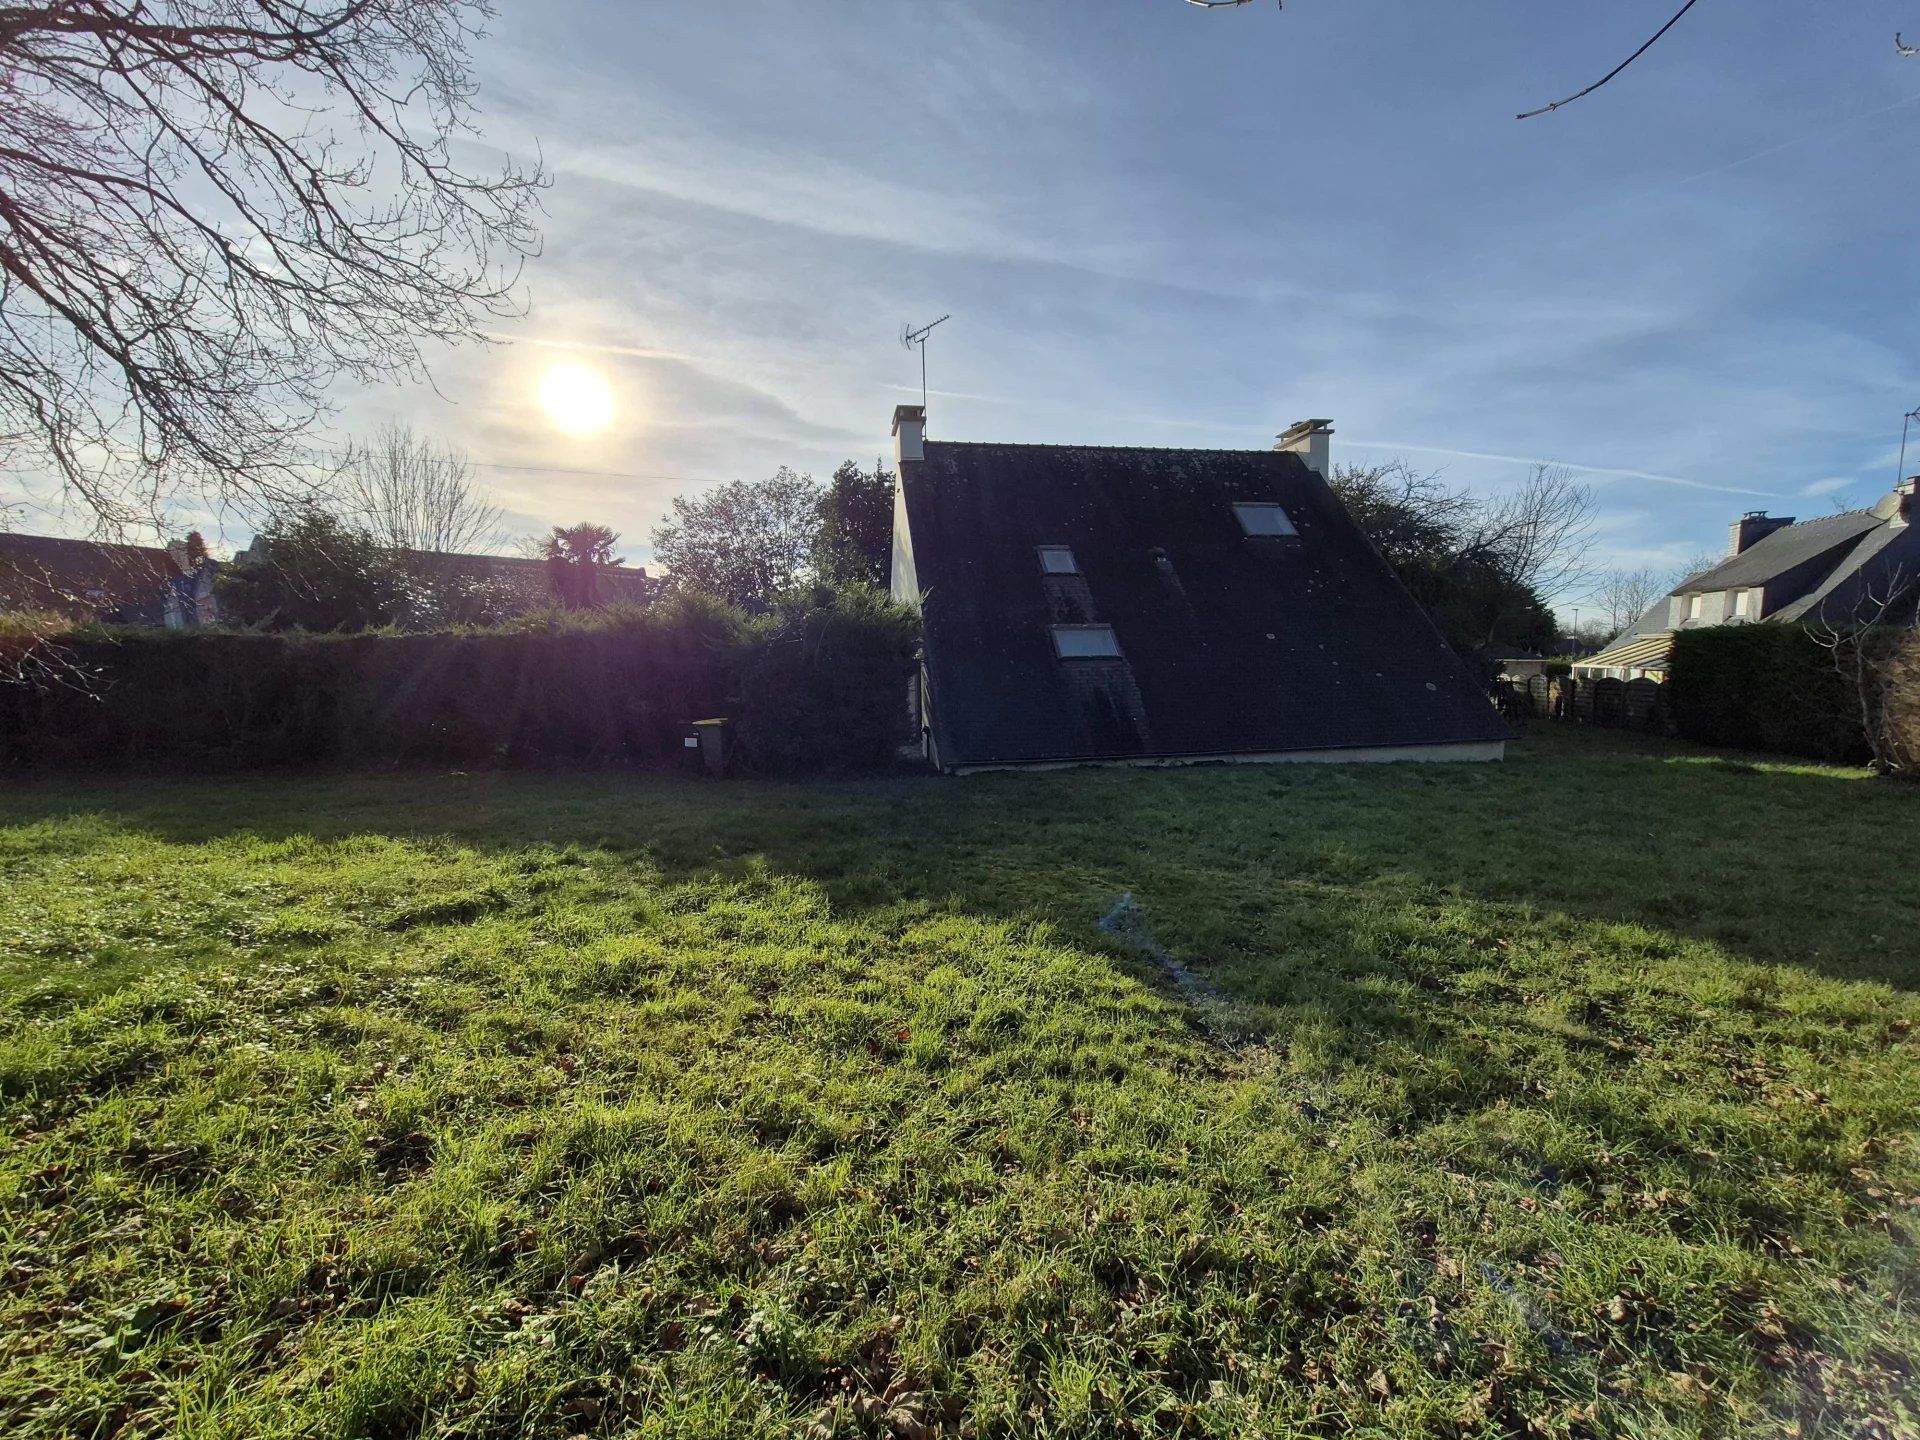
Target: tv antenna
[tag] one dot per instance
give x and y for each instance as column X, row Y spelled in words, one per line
column 1906, row 422
column 911, row 338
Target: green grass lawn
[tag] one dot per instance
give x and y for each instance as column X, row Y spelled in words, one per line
column 1571, row 1097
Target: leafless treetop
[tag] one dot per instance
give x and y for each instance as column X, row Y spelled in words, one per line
column 414, row 496
column 1541, row 532
column 1626, row 595
column 210, row 210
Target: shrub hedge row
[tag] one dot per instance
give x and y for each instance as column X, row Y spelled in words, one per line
column 1764, row 687
column 822, row 687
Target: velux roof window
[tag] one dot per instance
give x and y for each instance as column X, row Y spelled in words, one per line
column 1260, row 517
column 1085, row 642
column 1057, row 560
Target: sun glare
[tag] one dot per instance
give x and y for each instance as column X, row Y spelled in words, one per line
column 576, row 398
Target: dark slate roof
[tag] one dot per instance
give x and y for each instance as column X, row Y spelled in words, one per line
column 1652, row 621
column 82, row 579
column 623, row 584
column 1873, row 571
column 1230, row 644
column 525, row 576
column 1785, row 549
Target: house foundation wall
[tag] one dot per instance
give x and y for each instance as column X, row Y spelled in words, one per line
column 1472, row 752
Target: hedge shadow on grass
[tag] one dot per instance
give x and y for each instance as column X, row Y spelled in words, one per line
column 1776, row 863
column 1456, row 974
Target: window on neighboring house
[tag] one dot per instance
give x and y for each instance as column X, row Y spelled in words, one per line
column 1258, row 517
column 1741, row 600
column 1085, row 642
column 1693, row 606
column 1057, row 560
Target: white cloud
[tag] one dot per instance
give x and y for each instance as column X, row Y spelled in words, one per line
column 1829, row 485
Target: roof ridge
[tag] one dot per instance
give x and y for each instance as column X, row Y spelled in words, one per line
column 1152, row 449
column 157, row 549
column 1815, row 519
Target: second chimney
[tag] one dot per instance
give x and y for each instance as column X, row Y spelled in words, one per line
column 909, row 433
column 1309, row 439
column 1752, row 527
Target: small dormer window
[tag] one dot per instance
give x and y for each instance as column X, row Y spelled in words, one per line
column 1057, row 560
column 1693, row 606
column 1260, row 517
column 1085, row 642
column 1741, row 603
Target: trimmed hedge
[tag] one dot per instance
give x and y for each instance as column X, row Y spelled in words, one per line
column 614, row 693
column 827, row 686
column 1764, row 687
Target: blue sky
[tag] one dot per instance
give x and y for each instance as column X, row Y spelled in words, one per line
column 1154, row 224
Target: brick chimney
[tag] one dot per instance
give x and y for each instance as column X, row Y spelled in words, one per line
column 909, row 433
column 1751, row 527
column 1309, row 439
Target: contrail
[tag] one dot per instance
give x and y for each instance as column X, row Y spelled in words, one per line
column 641, row 352
column 1569, row 464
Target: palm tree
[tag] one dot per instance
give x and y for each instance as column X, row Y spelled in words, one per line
column 576, row 554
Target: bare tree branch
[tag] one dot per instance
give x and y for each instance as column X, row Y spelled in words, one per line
column 1544, row 109
column 1480, row 565
column 211, row 210
column 414, row 497
column 1539, row 536
column 1698, row 565
column 1880, row 664
column 1625, row 595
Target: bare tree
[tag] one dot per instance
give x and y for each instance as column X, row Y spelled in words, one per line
column 1410, row 515
column 212, row 209
column 1698, row 565
column 1540, row 536
column 1626, row 594
column 411, row 494
column 1481, row 566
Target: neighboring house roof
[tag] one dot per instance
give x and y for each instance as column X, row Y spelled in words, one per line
column 1652, row 620
column 1883, row 560
column 527, row 577
column 1786, row 549
column 1229, row 643
column 84, row 579
column 1860, row 565
column 1508, row 652
column 617, row 583
column 1638, row 652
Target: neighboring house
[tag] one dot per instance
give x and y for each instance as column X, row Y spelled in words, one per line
column 1837, row 570
column 526, row 579
column 1512, row 664
column 615, row 584
column 121, row 584
column 1103, row 604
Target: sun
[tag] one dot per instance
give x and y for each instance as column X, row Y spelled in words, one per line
column 576, row 398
